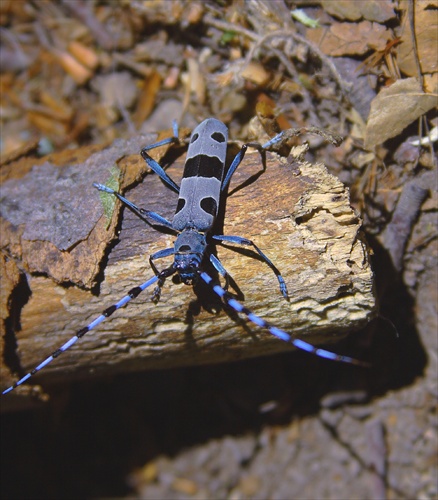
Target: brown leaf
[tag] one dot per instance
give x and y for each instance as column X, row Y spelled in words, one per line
column 85, row 55
column 147, row 100
column 394, row 108
column 72, row 66
column 431, row 83
column 116, row 89
column 350, row 38
column 426, row 32
column 372, row 10
column 256, row 73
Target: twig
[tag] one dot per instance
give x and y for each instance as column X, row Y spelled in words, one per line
column 262, row 41
column 331, row 137
column 224, row 25
column 411, row 17
column 83, row 12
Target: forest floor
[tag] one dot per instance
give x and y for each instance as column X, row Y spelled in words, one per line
column 284, row 426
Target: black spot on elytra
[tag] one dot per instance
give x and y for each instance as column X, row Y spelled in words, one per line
column 203, row 166
column 218, row 137
column 180, row 206
column 209, row 205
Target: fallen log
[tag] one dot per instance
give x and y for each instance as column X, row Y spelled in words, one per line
column 64, row 262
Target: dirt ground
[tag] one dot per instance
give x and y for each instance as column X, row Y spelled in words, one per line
column 284, row 426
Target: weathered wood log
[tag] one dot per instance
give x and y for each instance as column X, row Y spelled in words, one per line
column 53, row 227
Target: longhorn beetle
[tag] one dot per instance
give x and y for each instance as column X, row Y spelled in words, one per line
column 203, row 182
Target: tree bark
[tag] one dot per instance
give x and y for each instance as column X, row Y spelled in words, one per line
column 54, row 229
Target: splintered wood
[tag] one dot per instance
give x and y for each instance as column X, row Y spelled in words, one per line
column 296, row 212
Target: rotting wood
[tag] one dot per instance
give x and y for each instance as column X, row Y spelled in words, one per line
column 295, row 211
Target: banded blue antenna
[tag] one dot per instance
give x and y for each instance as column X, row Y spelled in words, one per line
column 134, row 292
column 277, row 332
column 200, row 194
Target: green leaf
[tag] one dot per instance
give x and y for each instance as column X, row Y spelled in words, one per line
column 303, row 18
column 227, row 37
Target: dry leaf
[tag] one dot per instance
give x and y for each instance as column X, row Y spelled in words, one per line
column 147, row 100
column 85, row 55
column 394, row 108
column 47, row 124
column 426, row 32
column 372, row 10
column 57, row 107
column 196, row 79
column 72, row 66
column 256, row 73
column 431, row 83
column 116, row 89
column 350, row 38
